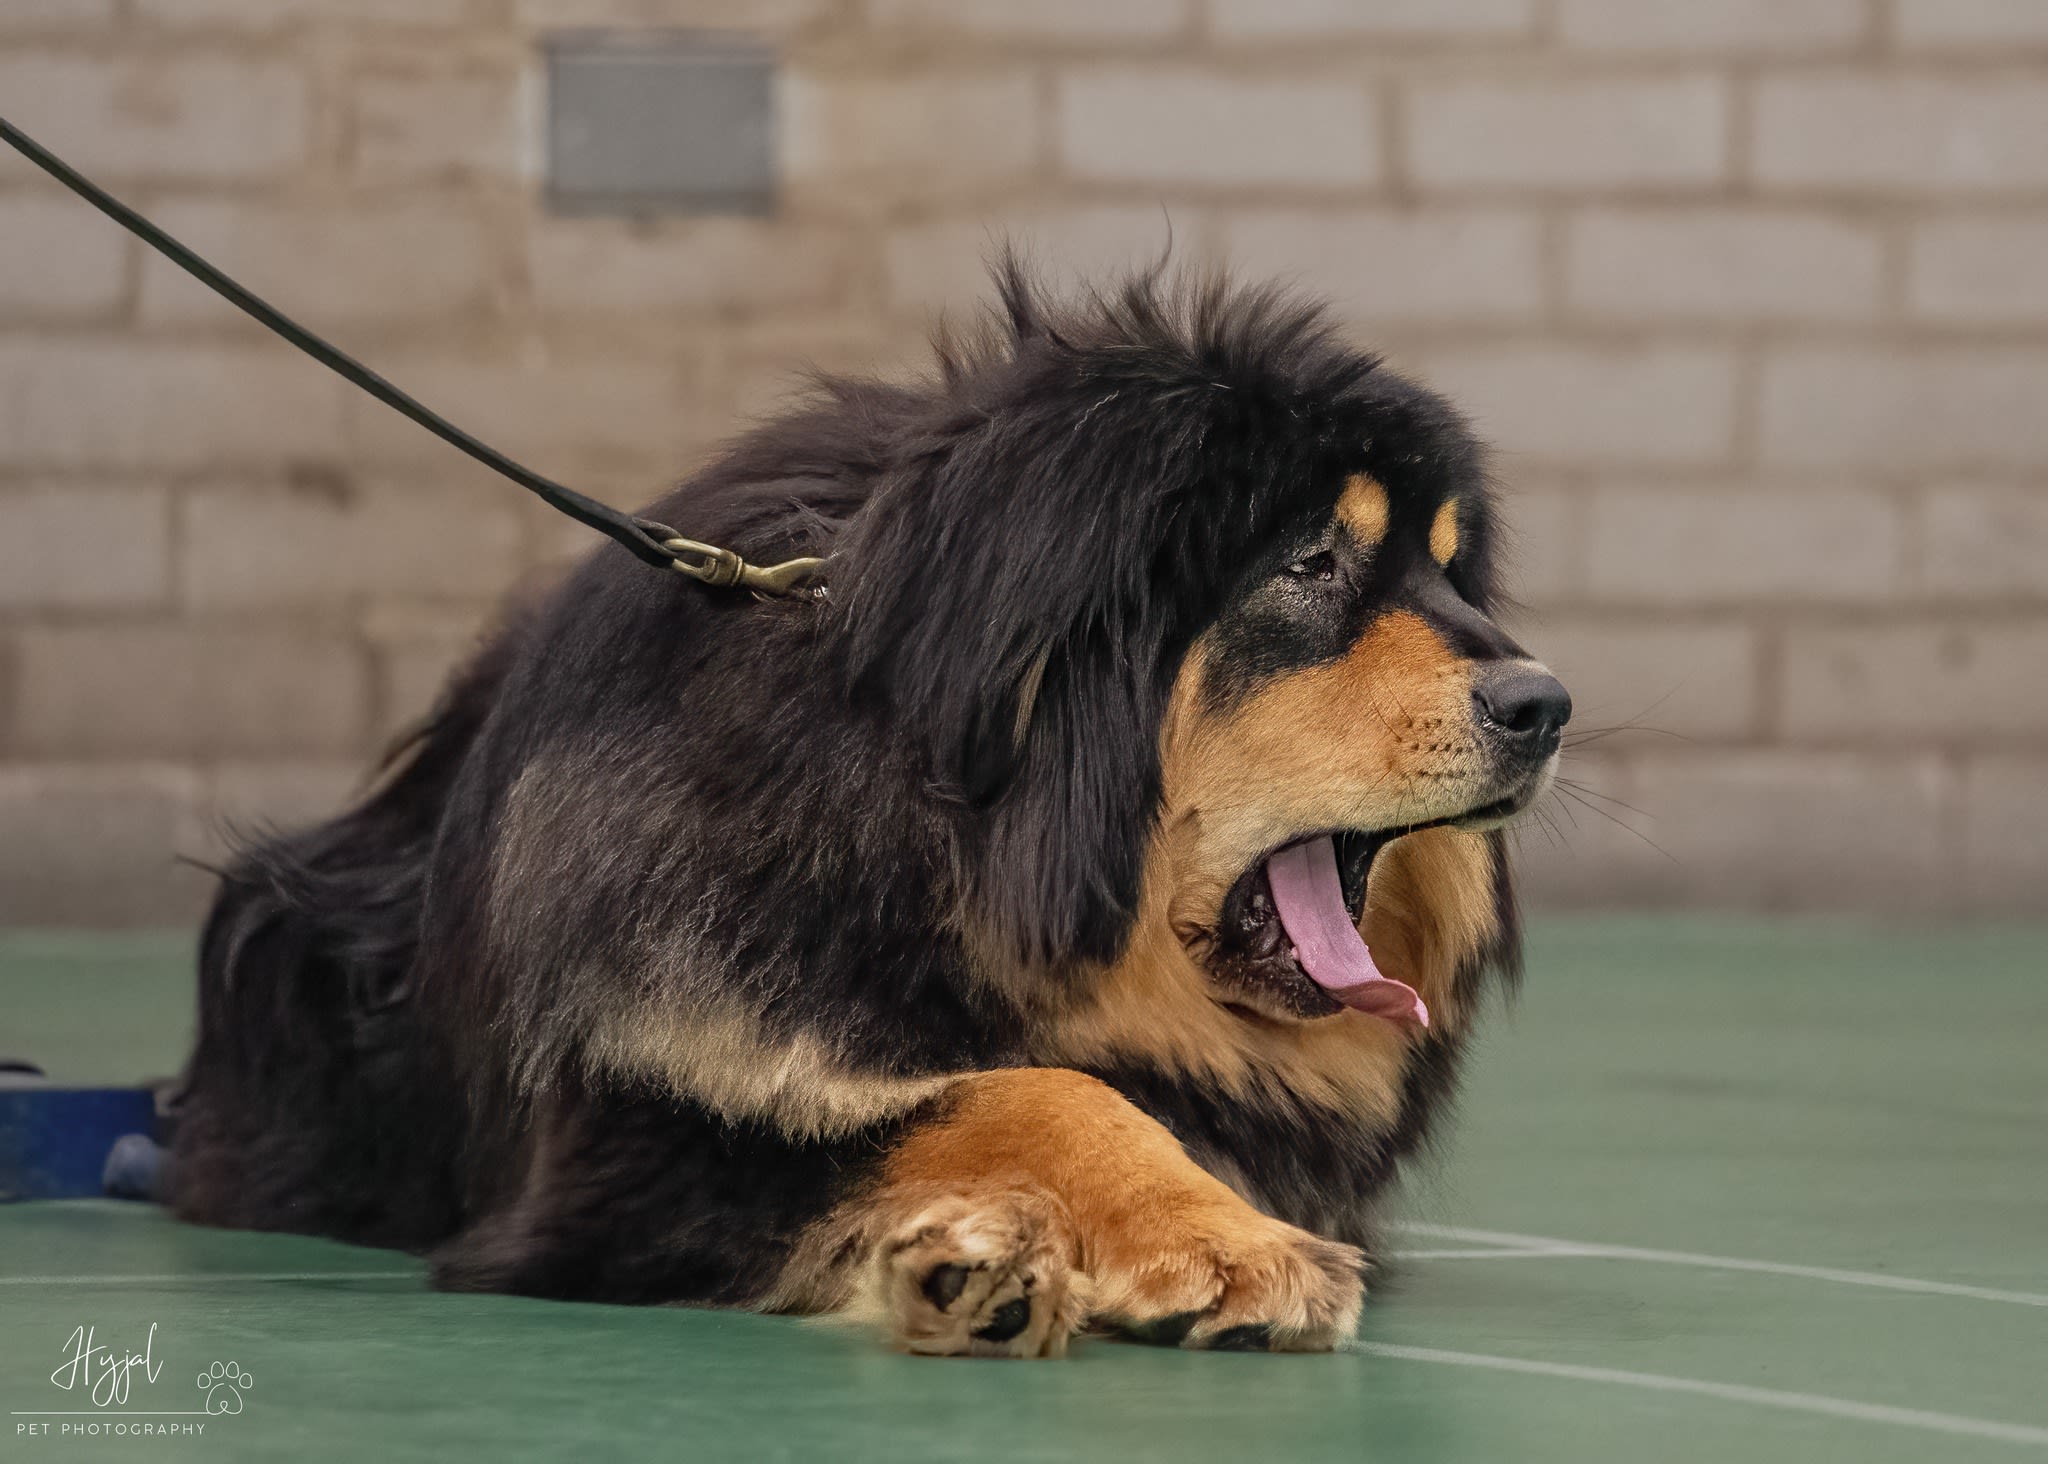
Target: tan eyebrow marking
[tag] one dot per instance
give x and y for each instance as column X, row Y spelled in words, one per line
column 1363, row 509
column 1443, row 532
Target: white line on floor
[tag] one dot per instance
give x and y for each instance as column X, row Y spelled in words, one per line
column 209, row 1277
column 1550, row 1247
column 1949, row 1423
column 1467, row 1253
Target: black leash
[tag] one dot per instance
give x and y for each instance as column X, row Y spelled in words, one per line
column 657, row 544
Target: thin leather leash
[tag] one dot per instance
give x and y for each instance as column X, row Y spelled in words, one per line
column 656, row 544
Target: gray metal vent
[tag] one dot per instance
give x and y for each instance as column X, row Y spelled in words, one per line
column 652, row 122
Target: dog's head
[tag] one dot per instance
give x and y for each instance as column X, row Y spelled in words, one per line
column 1184, row 595
column 1350, row 690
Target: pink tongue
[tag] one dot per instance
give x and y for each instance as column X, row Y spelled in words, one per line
column 1311, row 901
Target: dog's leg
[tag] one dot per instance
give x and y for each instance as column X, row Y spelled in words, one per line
column 1038, row 1200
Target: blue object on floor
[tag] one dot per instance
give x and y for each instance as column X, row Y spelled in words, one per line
column 134, row 1168
column 55, row 1142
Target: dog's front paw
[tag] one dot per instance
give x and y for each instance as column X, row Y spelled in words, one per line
column 1247, row 1284
column 985, row 1276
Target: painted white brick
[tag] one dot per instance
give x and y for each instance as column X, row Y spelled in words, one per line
column 281, row 546
column 80, row 545
column 271, row 14
column 1738, row 26
column 2005, row 840
column 57, row 15
column 1391, row 19
column 1986, row 540
column 1688, row 678
column 80, row 404
column 912, row 132
column 1987, row 269
column 1921, row 682
column 163, row 117
column 1719, row 263
column 1549, row 134
column 944, row 262
column 1734, row 545
column 189, row 691
column 1078, row 21
column 1780, row 830
column 63, row 260
column 563, row 417
column 1991, row 23
column 1151, row 125
column 1839, row 130
column 350, row 262
column 582, row 265
column 97, row 845
column 1960, row 407
column 762, row 17
column 1541, row 543
column 1409, row 265
column 441, row 126
column 1658, row 404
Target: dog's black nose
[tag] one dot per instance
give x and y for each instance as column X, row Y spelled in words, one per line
column 1522, row 700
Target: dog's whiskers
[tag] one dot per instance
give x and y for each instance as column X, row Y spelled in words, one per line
column 1576, row 795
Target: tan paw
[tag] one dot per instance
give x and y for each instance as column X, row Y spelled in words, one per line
column 990, row 1276
column 1250, row 1284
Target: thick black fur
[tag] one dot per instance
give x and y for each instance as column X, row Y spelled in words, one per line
column 645, row 795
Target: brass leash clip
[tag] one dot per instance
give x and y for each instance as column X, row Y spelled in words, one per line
column 723, row 569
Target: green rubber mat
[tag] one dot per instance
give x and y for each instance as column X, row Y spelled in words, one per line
column 1718, row 1191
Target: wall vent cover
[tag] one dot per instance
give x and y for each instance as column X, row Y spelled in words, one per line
column 659, row 122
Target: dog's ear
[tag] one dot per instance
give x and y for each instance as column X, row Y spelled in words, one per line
column 993, row 752
column 1070, row 791
column 1030, row 668
column 1017, row 593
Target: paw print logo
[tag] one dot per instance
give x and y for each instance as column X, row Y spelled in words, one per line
column 224, row 1384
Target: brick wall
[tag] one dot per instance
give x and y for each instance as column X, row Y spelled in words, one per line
column 1753, row 295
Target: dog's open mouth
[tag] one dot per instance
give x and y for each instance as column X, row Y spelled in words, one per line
column 1286, row 942
column 1289, row 932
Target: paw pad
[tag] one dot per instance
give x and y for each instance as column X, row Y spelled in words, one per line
column 1251, row 1337
column 1012, row 1317
column 943, row 1285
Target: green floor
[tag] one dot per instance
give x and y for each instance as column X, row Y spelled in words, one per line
column 1865, row 1115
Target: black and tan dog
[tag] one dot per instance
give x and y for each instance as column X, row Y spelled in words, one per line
column 1069, row 920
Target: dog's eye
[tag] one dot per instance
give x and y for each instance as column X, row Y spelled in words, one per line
column 1322, row 566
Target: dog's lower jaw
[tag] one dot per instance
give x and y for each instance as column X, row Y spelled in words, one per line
column 1506, row 810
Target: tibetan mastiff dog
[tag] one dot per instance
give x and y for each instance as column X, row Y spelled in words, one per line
column 1067, row 919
